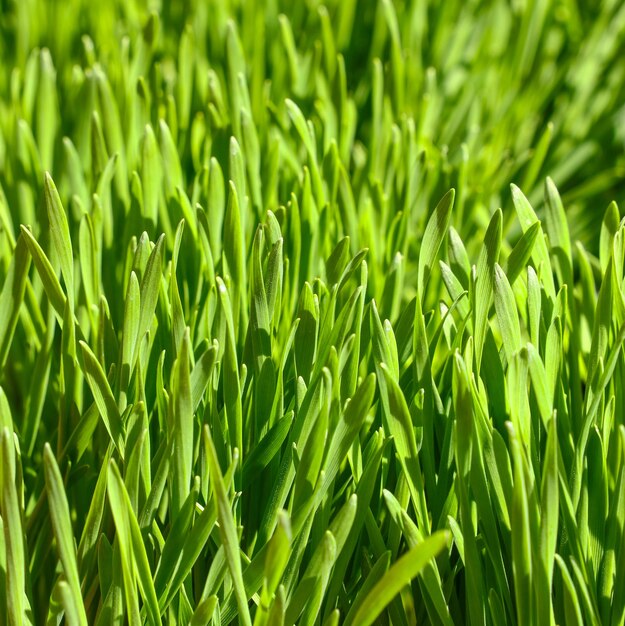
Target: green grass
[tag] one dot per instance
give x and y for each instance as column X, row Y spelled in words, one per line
column 312, row 314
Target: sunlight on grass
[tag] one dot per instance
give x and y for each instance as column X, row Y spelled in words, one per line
column 312, row 313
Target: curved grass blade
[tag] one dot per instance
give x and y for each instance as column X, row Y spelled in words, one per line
column 435, row 232
column 46, row 272
column 521, row 253
column 399, row 575
column 103, row 397
column 540, row 253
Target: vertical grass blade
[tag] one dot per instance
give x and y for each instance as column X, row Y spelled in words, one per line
column 62, row 527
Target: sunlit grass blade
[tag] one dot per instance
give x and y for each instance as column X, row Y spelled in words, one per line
column 182, row 428
column 103, row 396
column 59, row 231
column 136, row 565
column 46, row 272
column 14, row 547
column 227, row 529
column 507, row 315
column 540, row 254
column 483, row 289
column 398, row 575
column 150, row 284
column 433, row 235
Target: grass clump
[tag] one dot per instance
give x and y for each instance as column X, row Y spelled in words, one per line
column 279, row 341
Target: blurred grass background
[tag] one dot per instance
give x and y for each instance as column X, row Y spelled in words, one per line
column 481, row 80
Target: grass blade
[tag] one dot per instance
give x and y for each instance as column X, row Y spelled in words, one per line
column 11, row 297
column 62, row 527
column 433, row 236
column 227, row 529
column 399, row 575
column 131, row 544
column 103, row 397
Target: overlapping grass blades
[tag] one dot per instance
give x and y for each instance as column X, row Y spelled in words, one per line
column 279, row 341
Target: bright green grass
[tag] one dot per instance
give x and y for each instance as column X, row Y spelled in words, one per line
column 258, row 364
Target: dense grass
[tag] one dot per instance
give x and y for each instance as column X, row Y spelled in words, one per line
column 312, row 313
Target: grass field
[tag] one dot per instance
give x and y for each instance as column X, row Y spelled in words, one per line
column 312, row 313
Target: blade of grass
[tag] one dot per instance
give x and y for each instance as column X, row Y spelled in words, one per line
column 227, row 528
column 136, row 565
column 399, row 575
column 62, row 527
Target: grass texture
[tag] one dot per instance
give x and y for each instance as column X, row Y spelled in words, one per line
column 312, row 313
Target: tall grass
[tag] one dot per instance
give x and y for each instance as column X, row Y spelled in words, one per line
column 312, row 313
